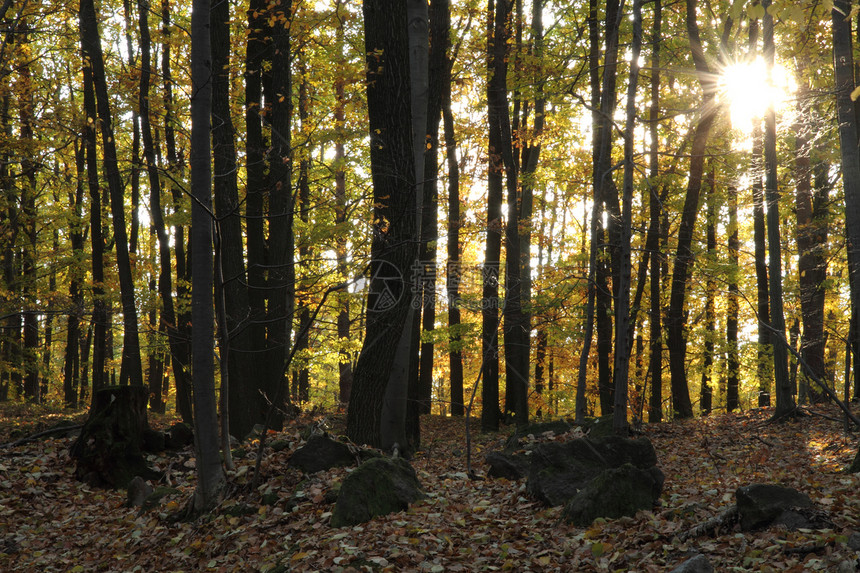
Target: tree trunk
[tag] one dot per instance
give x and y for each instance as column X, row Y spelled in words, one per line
column 733, row 307
column 784, row 398
column 652, row 240
column 623, row 325
column 706, row 394
column 812, row 197
column 130, row 368
column 210, row 474
column 848, row 133
column 675, row 320
column 165, row 279
column 496, row 44
column 455, row 221
column 343, row 320
column 393, row 246
column 181, row 351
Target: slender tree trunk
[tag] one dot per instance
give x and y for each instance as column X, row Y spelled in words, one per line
column 301, row 376
column 130, row 368
column 165, row 278
column 343, row 319
column 706, row 393
column 455, row 221
column 490, row 413
column 210, row 474
column 676, row 321
column 623, row 325
column 181, row 349
column 652, row 240
column 733, row 307
column 784, row 398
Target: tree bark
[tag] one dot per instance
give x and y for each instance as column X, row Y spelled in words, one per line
column 652, row 240
column 675, row 320
column 210, row 474
column 130, row 368
column 393, row 246
column 784, row 397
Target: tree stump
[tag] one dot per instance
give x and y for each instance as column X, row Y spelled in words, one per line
column 109, row 449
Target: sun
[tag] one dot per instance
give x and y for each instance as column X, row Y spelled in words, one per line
column 745, row 88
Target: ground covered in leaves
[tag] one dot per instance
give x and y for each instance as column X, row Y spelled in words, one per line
column 50, row 522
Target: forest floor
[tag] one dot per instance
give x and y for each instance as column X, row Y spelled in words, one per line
column 50, row 522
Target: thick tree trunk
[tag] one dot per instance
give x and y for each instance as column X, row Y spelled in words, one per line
column 393, row 247
column 848, row 133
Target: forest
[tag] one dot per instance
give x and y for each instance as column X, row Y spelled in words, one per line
column 408, row 217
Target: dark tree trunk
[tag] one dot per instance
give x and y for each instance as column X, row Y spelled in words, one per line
column 109, row 451
column 181, row 352
column 241, row 359
column 848, row 133
column 675, row 320
column 210, row 474
column 97, row 243
column 393, row 247
column 72, row 361
column 496, row 49
column 812, row 197
column 175, row 340
column 623, row 322
column 652, row 240
column 706, row 394
column 453, row 270
column 301, row 376
column 784, row 397
column 341, row 216
column 733, row 307
column 130, row 369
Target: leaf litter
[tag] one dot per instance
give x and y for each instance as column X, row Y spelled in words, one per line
column 50, row 522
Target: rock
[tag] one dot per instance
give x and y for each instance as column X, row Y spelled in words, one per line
column 109, row 453
column 508, row 466
column 698, row 564
column 153, row 441
column 178, row 436
column 377, row 487
column 614, row 493
column 854, row 541
column 599, row 427
column 138, row 491
column 559, row 470
column 321, row 453
column 556, row 427
column 761, row 505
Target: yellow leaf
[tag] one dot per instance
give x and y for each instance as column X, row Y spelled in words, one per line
column 855, row 94
column 299, row 556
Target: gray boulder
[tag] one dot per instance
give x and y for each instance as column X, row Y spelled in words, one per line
column 321, row 453
column 558, row 470
column 556, row 427
column 614, row 493
column 379, row 486
column 762, row 505
column 698, row 564
column 508, row 466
